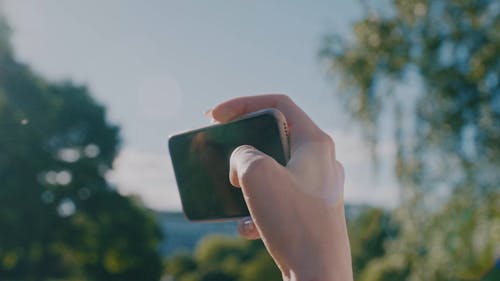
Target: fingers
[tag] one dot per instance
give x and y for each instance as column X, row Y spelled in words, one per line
column 248, row 229
column 236, row 107
column 341, row 172
column 298, row 121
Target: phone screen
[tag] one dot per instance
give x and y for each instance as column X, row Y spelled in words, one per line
column 201, row 164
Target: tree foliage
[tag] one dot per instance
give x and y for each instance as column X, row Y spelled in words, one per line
column 224, row 258
column 432, row 66
column 59, row 218
column 242, row 260
column 369, row 231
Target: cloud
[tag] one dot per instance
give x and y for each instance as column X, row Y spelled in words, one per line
column 148, row 175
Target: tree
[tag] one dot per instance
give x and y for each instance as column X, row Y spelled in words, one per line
column 433, row 67
column 224, row 258
column 369, row 231
column 59, row 218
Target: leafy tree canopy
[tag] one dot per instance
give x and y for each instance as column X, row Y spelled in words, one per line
column 224, row 258
column 433, row 67
column 59, row 218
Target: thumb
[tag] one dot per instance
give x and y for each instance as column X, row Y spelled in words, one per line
column 261, row 179
column 251, row 168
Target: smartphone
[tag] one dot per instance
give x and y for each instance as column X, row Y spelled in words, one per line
column 200, row 159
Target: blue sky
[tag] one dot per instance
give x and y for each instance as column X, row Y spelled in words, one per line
column 158, row 65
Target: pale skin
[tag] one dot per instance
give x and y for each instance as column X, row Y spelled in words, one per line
column 297, row 210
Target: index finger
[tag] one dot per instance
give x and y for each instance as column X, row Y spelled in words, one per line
column 298, row 122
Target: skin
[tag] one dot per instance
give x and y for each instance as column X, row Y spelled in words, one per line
column 297, row 210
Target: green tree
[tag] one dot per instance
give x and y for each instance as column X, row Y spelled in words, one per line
column 224, row 258
column 180, row 265
column 59, row 218
column 433, row 67
column 369, row 231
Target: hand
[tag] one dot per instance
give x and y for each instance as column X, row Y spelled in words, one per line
column 297, row 210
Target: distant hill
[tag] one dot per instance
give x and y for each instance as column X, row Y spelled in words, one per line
column 181, row 235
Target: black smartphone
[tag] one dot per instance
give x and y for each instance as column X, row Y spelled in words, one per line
column 200, row 159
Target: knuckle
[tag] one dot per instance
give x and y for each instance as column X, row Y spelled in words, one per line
column 327, row 140
column 341, row 168
column 240, row 149
column 284, row 98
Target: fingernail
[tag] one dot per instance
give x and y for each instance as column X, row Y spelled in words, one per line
column 248, row 225
column 208, row 113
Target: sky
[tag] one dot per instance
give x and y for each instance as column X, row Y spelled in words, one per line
column 158, row 65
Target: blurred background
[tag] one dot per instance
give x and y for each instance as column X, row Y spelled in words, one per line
column 91, row 90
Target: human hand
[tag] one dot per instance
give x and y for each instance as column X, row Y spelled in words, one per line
column 297, row 210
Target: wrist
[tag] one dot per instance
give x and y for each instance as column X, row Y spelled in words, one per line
column 330, row 258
